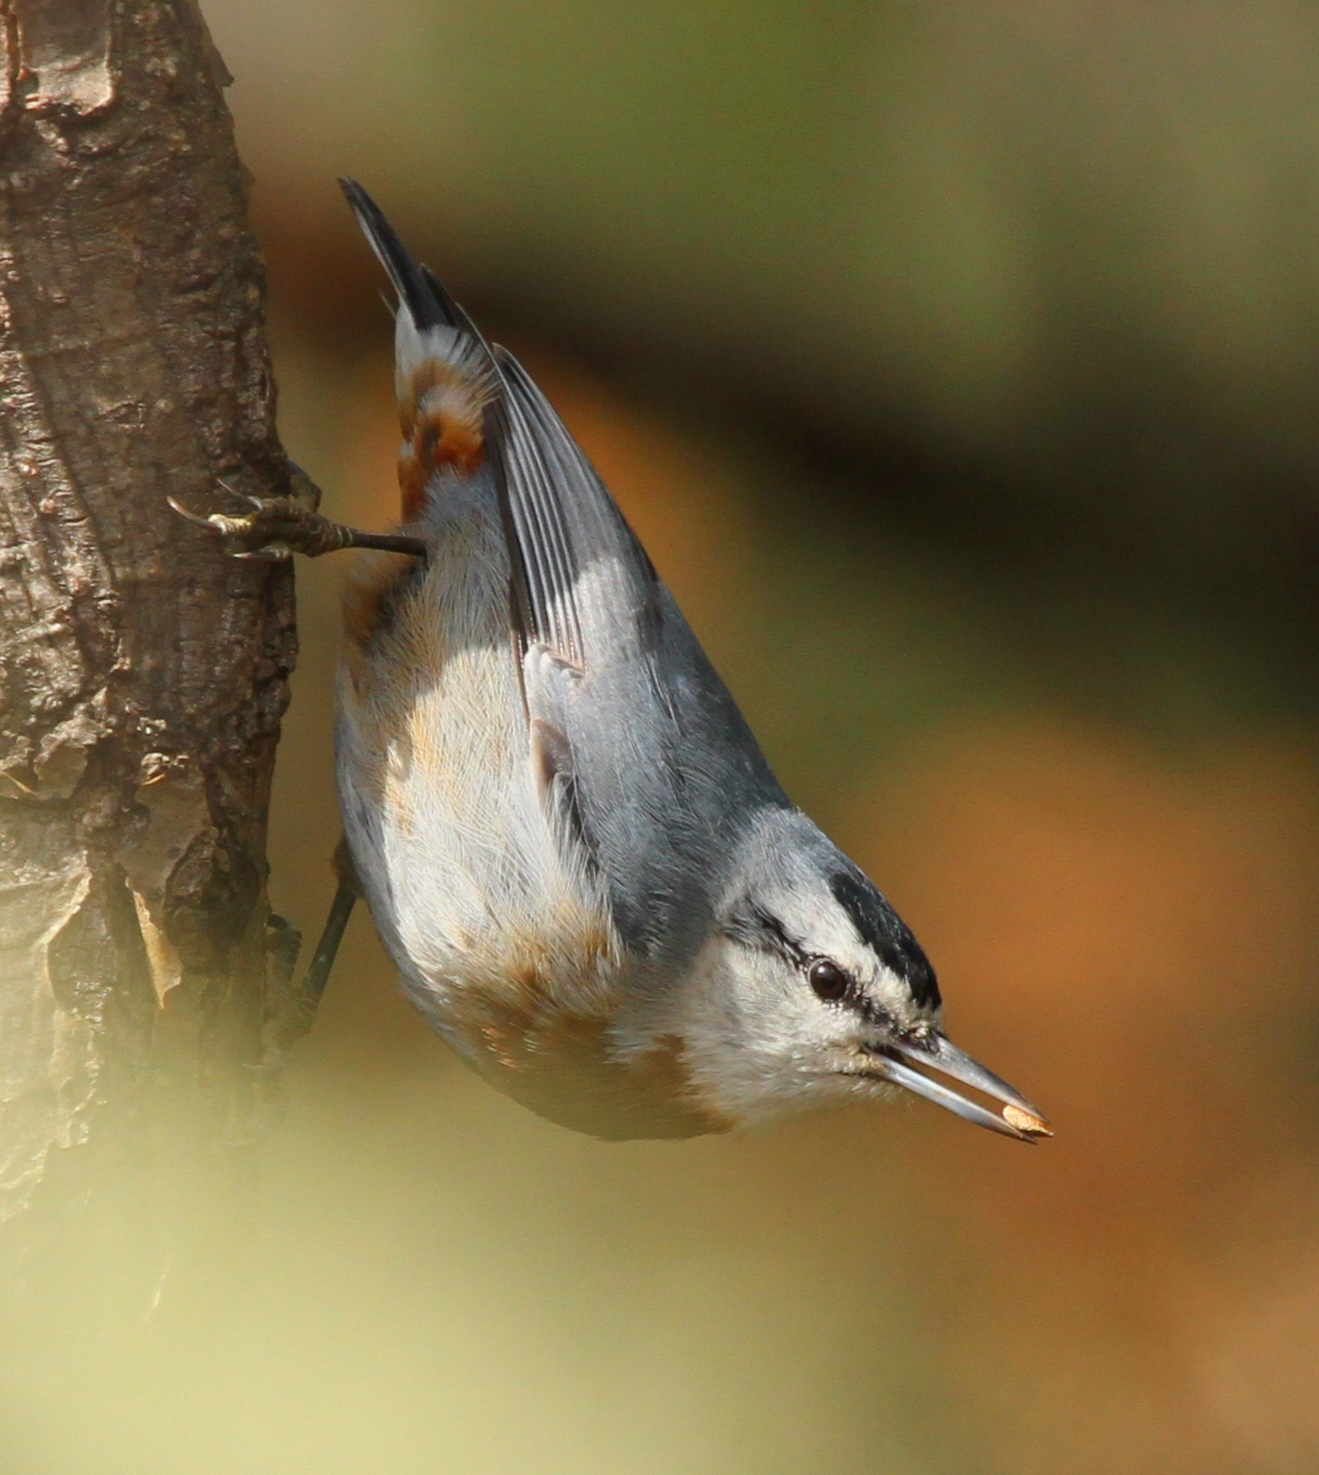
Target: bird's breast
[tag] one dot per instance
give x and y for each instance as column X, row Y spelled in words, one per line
column 496, row 919
column 565, row 1066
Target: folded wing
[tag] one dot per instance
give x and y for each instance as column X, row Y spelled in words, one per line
column 638, row 739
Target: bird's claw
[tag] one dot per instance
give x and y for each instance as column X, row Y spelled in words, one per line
column 278, row 527
column 275, row 529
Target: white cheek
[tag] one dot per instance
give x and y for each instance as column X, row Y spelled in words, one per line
column 759, row 1044
column 772, row 1012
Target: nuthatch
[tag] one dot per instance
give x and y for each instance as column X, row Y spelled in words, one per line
column 572, row 846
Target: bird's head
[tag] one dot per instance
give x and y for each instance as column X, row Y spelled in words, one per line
column 811, row 991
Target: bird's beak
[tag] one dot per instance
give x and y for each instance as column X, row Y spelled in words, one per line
column 1018, row 1117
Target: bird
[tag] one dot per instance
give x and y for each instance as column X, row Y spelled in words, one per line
column 572, row 847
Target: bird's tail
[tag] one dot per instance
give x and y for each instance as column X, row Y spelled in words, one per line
column 443, row 371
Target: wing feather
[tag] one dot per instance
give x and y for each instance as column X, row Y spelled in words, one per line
column 643, row 754
column 561, row 518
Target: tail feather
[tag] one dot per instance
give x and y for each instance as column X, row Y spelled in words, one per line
column 444, row 373
column 420, row 291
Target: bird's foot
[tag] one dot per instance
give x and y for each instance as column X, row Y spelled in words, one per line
column 279, row 527
column 276, row 528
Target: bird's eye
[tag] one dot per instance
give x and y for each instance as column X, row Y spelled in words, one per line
column 828, row 980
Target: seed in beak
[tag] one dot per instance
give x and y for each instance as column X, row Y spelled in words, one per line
column 1026, row 1121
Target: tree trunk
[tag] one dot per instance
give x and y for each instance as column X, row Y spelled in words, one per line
column 143, row 672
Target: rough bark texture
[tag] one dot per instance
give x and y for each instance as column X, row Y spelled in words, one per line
column 142, row 672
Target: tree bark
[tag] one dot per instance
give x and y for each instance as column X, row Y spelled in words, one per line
column 143, row 672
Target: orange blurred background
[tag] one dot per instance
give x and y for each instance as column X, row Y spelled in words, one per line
column 1124, row 921
column 957, row 370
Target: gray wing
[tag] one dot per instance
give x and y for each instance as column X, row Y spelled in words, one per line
column 560, row 520
column 638, row 738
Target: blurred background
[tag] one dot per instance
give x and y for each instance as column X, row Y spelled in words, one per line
column 959, row 365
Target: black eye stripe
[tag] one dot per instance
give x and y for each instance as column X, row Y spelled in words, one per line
column 754, row 927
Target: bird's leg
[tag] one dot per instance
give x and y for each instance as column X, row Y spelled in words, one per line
column 278, row 527
column 322, row 960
